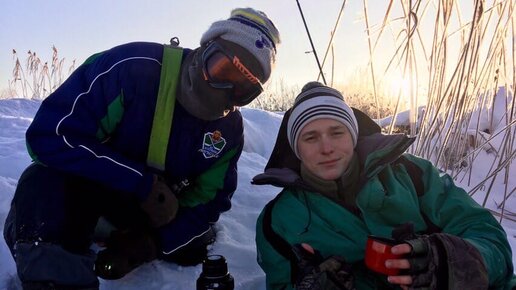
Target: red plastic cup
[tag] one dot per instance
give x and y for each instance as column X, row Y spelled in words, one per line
column 378, row 250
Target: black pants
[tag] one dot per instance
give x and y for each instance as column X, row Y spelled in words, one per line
column 51, row 223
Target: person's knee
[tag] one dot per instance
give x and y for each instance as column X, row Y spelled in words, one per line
column 47, row 206
column 50, row 262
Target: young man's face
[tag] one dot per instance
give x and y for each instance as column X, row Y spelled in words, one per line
column 325, row 148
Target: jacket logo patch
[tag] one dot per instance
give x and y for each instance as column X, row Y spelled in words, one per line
column 213, row 143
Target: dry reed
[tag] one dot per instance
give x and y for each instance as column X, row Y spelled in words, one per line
column 461, row 86
column 36, row 79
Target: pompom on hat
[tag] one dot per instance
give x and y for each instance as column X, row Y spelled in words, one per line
column 317, row 101
column 252, row 30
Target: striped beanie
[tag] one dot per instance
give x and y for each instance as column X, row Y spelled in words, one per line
column 252, row 30
column 317, row 101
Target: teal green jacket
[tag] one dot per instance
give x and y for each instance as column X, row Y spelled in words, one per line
column 386, row 199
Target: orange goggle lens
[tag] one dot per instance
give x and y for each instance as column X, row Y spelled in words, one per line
column 225, row 71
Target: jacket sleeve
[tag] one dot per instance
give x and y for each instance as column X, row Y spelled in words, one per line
column 201, row 205
column 456, row 213
column 70, row 130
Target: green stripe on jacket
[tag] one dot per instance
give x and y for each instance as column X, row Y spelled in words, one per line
column 208, row 183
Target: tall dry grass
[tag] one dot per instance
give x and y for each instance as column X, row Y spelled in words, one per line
column 466, row 64
column 37, row 79
column 278, row 96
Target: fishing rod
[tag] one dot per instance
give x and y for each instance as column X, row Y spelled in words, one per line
column 330, row 43
column 311, row 42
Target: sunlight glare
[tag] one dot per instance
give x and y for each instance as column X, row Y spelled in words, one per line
column 401, row 86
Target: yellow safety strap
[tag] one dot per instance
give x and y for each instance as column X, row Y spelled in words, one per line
column 164, row 111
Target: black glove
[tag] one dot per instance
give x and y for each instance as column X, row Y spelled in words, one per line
column 442, row 261
column 125, row 251
column 161, row 204
column 316, row 273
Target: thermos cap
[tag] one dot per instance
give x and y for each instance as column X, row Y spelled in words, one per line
column 214, row 266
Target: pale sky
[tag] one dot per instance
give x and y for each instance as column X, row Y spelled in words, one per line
column 80, row 28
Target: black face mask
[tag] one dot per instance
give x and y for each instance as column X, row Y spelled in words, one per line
column 196, row 95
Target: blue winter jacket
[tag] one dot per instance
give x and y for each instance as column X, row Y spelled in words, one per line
column 97, row 125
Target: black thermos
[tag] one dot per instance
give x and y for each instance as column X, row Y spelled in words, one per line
column 215, row 275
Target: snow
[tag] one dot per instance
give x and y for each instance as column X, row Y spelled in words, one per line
column 235, row 229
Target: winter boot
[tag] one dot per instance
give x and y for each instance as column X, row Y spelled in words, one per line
column 125, row 251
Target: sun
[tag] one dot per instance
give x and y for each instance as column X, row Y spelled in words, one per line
column 400, row 86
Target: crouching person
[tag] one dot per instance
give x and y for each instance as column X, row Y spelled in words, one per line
column 147, row 137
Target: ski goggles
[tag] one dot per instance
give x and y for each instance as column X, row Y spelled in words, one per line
column 224, row 70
